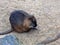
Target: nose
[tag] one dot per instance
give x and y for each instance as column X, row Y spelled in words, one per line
column 35, row 24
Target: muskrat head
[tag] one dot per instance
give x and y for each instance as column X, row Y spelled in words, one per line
column 30, row 22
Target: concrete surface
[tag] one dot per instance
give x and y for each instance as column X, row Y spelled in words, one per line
column 47, row 13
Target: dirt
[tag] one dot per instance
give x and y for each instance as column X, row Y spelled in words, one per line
column 47, row 13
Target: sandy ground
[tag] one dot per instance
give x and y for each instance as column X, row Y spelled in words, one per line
column 47, row 13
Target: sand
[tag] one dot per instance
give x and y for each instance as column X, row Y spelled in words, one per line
column 47, row 13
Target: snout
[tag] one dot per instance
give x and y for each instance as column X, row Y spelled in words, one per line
column 35, row 24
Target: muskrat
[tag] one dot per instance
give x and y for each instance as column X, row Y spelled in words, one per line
column 21, row 21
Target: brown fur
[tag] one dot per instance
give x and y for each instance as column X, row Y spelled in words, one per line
column 20, row 22
column 24, row 27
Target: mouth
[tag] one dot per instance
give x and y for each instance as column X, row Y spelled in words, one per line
column 31, row 26
column 34, row 28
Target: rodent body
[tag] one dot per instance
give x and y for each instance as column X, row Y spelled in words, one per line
column 21, row 21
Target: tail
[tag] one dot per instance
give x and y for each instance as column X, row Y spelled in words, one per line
column 51, row 40
column 7, row 32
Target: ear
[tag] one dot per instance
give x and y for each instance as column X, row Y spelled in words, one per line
column 31, row 17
